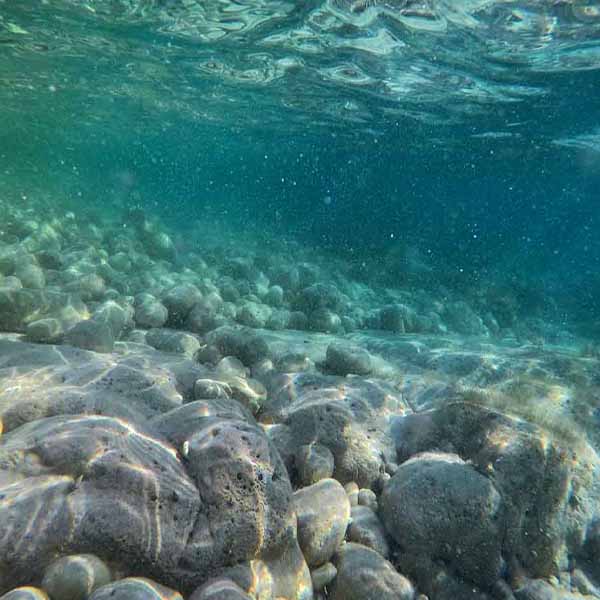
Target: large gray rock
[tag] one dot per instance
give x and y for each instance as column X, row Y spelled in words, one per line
column 532, row 472
column 102, row 490
column 437, row 506
column 323, row 512
column 363, row 573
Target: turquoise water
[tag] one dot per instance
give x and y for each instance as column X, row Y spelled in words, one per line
column 253, row 251
column 466, row 129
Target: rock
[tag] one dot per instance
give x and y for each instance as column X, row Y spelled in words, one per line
column 118, row 318
column 253, row 314
column 150, row 313
column 352, row 490
column 120, row 262
column 18, row 307
column 284, row 575
column 88, row 287
column 461, row 318
column 25, row 593
column 241, row 343
column 46, row 331
column 393, row 317
column 323, row 512
column 75, row 577
column 287, row 277
column 293, row 363
column 169, row 340
column 91, row 335
column 209, row 389
column 230, row 366
column 135, row 588
column 325, row 320
column 274, row 296
column 313, row 463
column 298, row 320
column 179, row 301
column 122, row 478
column 437, row 506
column 278, row 320
column 319, row 296
column 363, row 573
column 368, row 498
column 219, row 589
column 249, row 392
column 202, row 319
column 366, row 529
column 538, row 589
column 12, row 283
column 344, row 360
column 31, row 276
column 323, row 576
column 340, row 414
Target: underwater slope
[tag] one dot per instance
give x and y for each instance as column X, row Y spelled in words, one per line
column 235, row 423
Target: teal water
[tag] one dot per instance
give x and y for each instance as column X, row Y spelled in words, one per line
column 466, row 129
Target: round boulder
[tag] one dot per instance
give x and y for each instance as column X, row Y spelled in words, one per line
column 436, row 506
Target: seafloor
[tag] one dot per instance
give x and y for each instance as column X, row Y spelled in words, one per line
column 241, row 419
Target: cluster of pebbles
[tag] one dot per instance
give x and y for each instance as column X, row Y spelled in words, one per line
column 222, row 425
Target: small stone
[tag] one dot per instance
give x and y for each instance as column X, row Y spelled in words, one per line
column 25, row 593
column 366, row 529
column 219, row 589
column 208, row 389
column 75, row 577
column 230, row 366
column 367, row 497
column 135, row 588
column 323, row 512
column 352, row 490
column 274, row 296
column 313, row 463
column 363, row 573
column 323, row 576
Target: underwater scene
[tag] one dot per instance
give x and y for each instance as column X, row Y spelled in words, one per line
column 299, row 299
